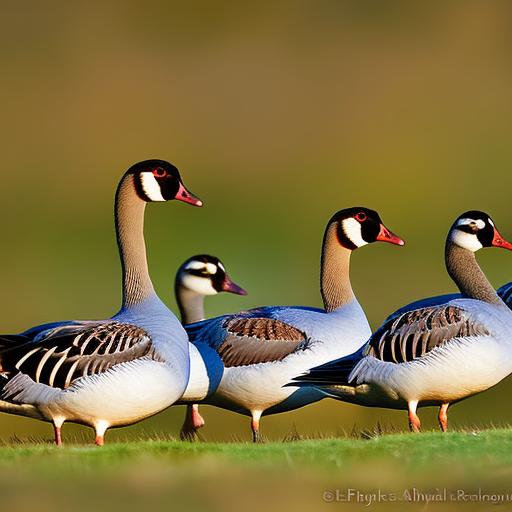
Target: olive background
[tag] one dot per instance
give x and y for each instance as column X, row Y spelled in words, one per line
column 278, row 114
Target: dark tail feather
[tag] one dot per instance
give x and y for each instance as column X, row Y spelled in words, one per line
column 8, row 344
column 335, row 372
column 10, row 341
column 505, row 292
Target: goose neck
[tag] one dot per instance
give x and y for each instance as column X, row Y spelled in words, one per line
column 190, row 304
column 129, row 218
column 463, row 268
column 336, row 288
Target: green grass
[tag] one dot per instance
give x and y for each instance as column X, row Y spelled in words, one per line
column 413, row 451
column 224, row 476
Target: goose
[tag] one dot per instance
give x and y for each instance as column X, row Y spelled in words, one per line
column 260, row 350
column 437, row 354
column 114, row 372
column 200, row 276
column 505, row 293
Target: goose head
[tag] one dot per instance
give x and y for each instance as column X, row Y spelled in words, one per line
column 360, row 226
column 158, row 180
column 474, row 230
column 206, row 275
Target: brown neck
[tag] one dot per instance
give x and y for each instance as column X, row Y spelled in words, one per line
column 467, row 274
column 190, row 303
column 335, row 276
column 129, row 218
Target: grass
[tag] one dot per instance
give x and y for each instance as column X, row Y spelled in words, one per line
column 226, row 476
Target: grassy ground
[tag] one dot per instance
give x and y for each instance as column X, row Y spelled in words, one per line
column 298, row 475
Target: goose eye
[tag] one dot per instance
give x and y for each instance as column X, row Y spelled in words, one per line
column 160, row 173
column 361, row 216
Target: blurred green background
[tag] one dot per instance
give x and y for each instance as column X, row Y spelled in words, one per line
column 277, row 114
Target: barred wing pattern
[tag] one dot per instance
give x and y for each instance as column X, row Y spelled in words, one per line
column 259, row 340
column 63, row 354
column 414, row 334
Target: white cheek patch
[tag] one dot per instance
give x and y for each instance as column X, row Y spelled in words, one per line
column 200, row 285
column 151, row 187
column 352, row 230
column 211, row 268
column 196, row 265
column 466, row 240
column 480, row 224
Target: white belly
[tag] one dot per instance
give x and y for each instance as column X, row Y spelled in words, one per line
column 262, row 386
column 126, row 394
column 448, row 374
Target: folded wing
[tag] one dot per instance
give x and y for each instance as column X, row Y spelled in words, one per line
column 62, row 354
column 414, row 334
column 259, row 340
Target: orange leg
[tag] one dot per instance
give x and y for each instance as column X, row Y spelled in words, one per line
column 193, row 422
column 197, row 419
column 443, row 417
column 58, row 436
column 57, row 426
column 101, row 428
column 414, row 421
column 255, row 426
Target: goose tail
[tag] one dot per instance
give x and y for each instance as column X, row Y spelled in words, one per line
column 335, row 372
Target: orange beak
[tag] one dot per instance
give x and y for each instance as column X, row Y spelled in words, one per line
column 187, row 197
column 387, row 236
column 499, row 241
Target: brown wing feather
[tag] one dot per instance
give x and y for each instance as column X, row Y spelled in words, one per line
column 416, row 333
column 259, row 340
column 264, row 328
column 73, row 351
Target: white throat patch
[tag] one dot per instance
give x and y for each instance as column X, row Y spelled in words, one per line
column 200, row 285
column 467, row 241
column 151, row 187
column 352, row 229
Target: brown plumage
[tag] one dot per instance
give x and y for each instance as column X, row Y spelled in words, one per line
column 264, row 328
column 73, row 351
column 416, row 333
column 259, row 340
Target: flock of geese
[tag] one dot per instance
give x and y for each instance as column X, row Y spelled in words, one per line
column 118, row 371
